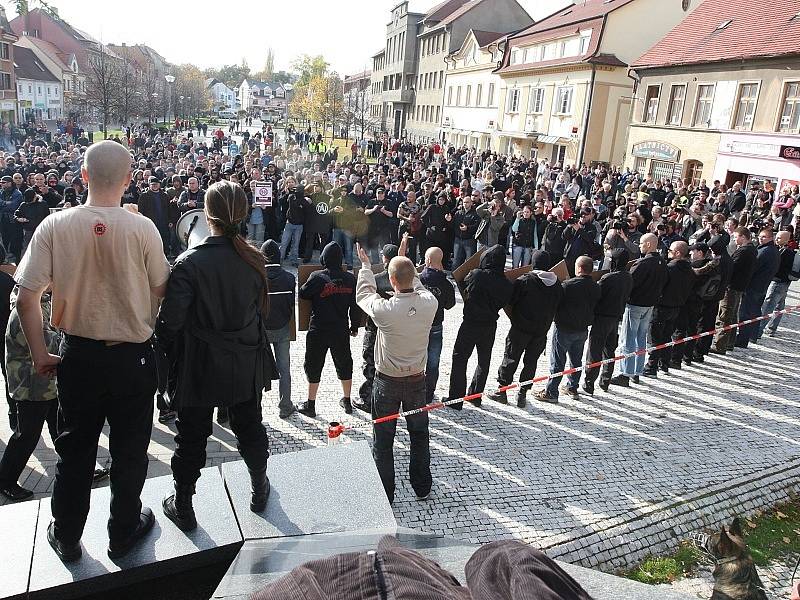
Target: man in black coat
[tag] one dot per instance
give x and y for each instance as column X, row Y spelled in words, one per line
column 615, row 289
column 435, row 281
column 767, row 262
column 574, row 315
column 534, row 302
column 710, row 307
column 332, row 292
column 680, row 282
column 744, row 264
column 487, row 290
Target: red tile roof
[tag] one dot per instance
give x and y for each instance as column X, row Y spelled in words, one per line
column 484, row 38
column 577, row 13
column 770, row 29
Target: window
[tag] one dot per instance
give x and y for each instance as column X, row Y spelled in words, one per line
column 515, row 54
column 651, row 103
column 660, row 169
column 694, row 171
column 438, row 44
column 5, row 81
column 705, row 100
column 38, row 89
column 677, row 99
column 441, row 78
column 490, row 95
column 4, row 52
column 450, row 95
column 746, row 106
column 512, row 103
column 585, row 43
column 458, row 96
column 48, row 90
column 639, row 165
column 564, row 101
column 536, row 100
column 437, row 114
column 468, row 98
column 478, row 95
column 790, row 115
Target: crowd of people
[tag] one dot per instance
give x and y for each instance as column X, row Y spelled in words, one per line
column 646, row 260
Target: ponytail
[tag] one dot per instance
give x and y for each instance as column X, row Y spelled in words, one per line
column 226, row 207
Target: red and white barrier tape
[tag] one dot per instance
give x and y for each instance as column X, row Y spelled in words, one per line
column 335, row 430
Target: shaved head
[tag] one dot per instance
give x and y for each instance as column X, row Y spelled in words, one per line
column 402, row 272
column 680, row 249
column 106, row 167
column 584, row 265
column 648, row 243
column 434, row 257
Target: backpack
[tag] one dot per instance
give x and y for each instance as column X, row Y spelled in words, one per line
column 707, row 290
column 794, row 272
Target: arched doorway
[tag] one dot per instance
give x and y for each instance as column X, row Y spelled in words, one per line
column 693, row 172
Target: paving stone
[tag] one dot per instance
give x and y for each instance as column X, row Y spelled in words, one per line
column 18, row 524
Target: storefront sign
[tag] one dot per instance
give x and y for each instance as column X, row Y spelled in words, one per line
column 657, row 151
column 756, row 148
column 790, row 152
column 7, row 105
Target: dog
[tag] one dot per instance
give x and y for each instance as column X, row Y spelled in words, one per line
column 735, row 575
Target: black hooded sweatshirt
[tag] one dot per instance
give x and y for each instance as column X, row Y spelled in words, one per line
column 487, row 288
column 437, row 284
column 536, row 298
column 615, row 287
column 332, row 292
column 281, row 306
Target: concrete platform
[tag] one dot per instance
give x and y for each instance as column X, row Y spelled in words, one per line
column 262, row 561
column 321, row 490
column 18, row 524
column 165, row 550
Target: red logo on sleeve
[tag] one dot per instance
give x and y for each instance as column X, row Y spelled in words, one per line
column 99, row 228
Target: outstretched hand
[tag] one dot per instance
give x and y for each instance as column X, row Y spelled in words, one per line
column 363, row 256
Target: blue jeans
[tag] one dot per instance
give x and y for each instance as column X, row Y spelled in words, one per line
column 635, row 325
column 291, row 235
column 564, row 344
column 255, row 233
column 432, row 367
column 462, row 250
column 279, row 338
column 775, row 300
column 345, row 240
column 521, row 256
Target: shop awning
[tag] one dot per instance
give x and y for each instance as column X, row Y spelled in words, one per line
column 516, row 134
column 548, row 139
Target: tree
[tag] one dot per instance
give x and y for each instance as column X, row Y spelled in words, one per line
column 127, row 96
column 308, row 67
column 283, row 77
column 320, row 101
column 102, row 83
column 269, row 67
column 230, row 75
column 152, row 88
column 191, row 84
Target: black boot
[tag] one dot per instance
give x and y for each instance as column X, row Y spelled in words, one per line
column 521, row 401
column 500, row 397
column 307, row 408
column 260, row 490
column 178, row 507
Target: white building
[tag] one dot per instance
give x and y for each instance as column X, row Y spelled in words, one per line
column 257, row 96
column 471, row 90
column 222, row 97
column 39, row 91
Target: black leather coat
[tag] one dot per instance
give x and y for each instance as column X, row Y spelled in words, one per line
column 211, row 329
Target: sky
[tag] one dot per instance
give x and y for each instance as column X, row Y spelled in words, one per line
column 208, row 33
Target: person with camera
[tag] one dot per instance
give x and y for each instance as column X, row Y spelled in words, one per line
column 580, row 237
column 493, row 215
column 553, row 241
column 623, row 233
column 466, row 223
column 380, row 215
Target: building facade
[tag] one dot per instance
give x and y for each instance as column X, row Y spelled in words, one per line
column 65, row 66
column 565, row 94
column 8, row 86
column 377, row 108
column 469, row 106
column 357, row 102
column 443, row 31
column 266, row 100
column 222, row 97
column 39, row 92
column 730, row 109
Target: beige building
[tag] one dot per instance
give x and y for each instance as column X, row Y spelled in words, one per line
column 443, row 31
column 727, row 110
column 565, row 94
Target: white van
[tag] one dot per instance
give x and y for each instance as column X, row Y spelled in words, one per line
column 226, row 114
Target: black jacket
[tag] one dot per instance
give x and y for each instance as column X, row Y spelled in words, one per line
column 487, row 288
column 536, row 298
column 576, row 310
column 281, row 306
column 649, row 277
column 332, row 292
column 553, row 241
column 744, row 264
column 211, row 329
column 767, row 262
column 615, row 290
column 296, row 204
column 680, row 282
column 785, row 265
column 436, row 283
column 35, row 212
column 470, row 219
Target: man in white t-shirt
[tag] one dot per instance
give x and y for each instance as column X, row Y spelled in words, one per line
column 107, row 270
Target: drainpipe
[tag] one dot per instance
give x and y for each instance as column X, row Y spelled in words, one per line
column 586, row 119
column 632, row 74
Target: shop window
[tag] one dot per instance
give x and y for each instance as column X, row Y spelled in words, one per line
column 651, row 104
column 746, row 106
column 661, row 169
column 705, row 102
column 640, row 164
column 694, row 171
column 790, row 115
column 677, row 98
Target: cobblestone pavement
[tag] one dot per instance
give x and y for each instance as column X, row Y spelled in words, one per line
column 601, row 481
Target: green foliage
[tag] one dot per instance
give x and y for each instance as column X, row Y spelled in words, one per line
column 655, row 570
column 774, row 534
column 230, row 75
column 309, row 67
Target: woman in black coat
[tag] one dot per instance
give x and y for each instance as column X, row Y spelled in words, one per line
column 211, row 326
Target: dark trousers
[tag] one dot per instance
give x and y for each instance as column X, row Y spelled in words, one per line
column 194, row 427
column 518, row 343
column 471, row 336
column 662, row 327
column 727, row 315
column 390, row 396
column 368, row 365
column 12, row 405
column 603, row 341
column 688, row 324
column 12, row 238
column 750, row 308
column 311, row 238
column 31, row 417
column 98, row 383
column 708, row 317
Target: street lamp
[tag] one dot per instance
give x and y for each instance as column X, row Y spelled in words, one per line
column 180, row 110
column 170, row 80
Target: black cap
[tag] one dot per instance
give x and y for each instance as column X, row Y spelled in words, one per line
column 151, row 180
column 702, row 246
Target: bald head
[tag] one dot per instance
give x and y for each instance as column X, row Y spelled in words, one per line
column 782, row 238
column 584, row 265
column 679, row 249
column 401, row 273
column 107, row 167
column 434, row 257
column 648, row 243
